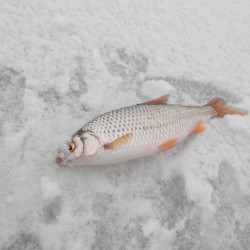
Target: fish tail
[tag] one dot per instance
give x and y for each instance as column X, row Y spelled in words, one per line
column 218, row 105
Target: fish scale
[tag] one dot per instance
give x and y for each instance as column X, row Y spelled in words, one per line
column 147, row 122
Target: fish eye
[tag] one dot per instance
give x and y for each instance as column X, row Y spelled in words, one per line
column 71, row 146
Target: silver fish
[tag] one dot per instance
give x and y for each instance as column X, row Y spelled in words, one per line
column 138, row 131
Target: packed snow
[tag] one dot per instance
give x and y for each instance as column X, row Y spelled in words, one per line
column 64, row 62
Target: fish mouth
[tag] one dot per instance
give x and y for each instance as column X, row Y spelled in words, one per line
column 58, row 160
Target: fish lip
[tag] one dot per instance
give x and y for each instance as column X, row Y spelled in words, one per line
column 62, row 158
column 58, row 160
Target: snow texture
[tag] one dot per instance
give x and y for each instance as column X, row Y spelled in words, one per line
column 63, row 63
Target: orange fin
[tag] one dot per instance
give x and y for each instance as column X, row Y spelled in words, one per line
column 199, row 128
column 160, row 100
column 167, row 145
column 118, row 142
column 219, row 106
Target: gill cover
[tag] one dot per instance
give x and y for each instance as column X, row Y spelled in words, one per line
column 78, row 147
column 91, row 144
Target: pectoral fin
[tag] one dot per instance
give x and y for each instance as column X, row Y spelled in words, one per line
column 160, row 100
column 119, row 142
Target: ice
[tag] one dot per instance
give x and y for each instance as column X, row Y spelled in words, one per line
column 64, row 62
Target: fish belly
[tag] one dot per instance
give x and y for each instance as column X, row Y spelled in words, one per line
column 107, row 157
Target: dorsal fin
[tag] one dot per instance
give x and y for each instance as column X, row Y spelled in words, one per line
column 160, row 100
column 118, row 142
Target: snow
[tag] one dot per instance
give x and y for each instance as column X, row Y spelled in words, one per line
column 153, row 89
column 64, row 62
column 238, row 123
column 200, row 191
column 49, row 189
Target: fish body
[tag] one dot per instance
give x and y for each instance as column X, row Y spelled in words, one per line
column 138, row 131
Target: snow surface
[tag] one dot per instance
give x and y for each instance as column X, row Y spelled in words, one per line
column 64, row 62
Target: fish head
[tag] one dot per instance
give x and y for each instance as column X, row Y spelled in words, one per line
column 80, row 150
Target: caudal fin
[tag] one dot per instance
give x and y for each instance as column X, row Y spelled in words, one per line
column 219, row 106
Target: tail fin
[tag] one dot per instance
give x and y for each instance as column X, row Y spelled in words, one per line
column 219, row 106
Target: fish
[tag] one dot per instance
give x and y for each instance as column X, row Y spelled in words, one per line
column 139, row 131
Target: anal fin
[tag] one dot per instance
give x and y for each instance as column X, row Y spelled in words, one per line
column 199, row 128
